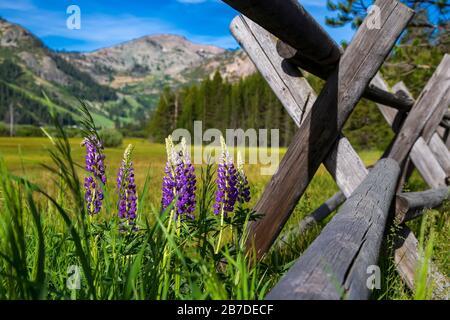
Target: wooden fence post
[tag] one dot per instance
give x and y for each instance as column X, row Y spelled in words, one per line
column 420, row 154
column 436, row 91
column 335, row 264
column 321, row 126
column 314, row 51
column 373, row 91
column 411, row 205
column 297, row 97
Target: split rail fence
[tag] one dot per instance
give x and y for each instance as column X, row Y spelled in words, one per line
column 282, row 39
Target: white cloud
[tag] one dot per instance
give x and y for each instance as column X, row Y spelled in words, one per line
column 19, row 5
column 100, row 30
column 97, row 30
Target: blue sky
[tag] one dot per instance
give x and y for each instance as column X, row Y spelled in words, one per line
column 108, row 22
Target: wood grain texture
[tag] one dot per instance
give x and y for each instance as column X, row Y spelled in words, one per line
column 407, row 260
column 335, row 264
column 442, row 104
column 411, row 205
column 286, row 81
column 296, row 96
column 445, row 135
column 345, row 166
column 441, row 152
column 420, row 155
column 321, row 126
column 289, row 21
column 424, row 109
column 372, row 92
column 427, row 164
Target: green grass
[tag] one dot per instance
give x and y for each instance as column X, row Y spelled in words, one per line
column 45, row 230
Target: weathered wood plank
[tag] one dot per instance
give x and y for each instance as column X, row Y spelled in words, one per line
column 411, row 205
column 432, row 96
column 345, row 166
column 408, row 206
column 297, row 97
column 438, row 114
column 289, row 21
column 420, row 155
column 395, row 119
column 407, row 260
column 372, row 92
column 441, row 152
column 321, row 126
column 427, row 164
column 286, row 81
column 335, row 264
column 445, row 135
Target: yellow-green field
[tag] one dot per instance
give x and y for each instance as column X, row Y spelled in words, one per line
column 25, row 156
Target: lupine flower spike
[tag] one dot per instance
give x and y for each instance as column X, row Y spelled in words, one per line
column 127, row 192
column 95, row 165
column 227, row 192
column 186, row 183
column 169, row 185
column 179, row 181
column 242, row 182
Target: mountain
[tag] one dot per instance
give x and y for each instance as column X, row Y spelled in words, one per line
column 30, row 72
column 122, row 82
column 152, row 62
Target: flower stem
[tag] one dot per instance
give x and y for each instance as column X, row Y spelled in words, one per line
column 177, row 269
column 164, row 285
column 222, row 214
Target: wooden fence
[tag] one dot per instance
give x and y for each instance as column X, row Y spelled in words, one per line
column 282, row 39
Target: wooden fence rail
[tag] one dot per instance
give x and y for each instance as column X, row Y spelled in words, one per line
column 290, row 22
column 335, row 264
column 378, row 88
column 373, row 92
column 297, row 97
column 322, row 124
column 411, row 205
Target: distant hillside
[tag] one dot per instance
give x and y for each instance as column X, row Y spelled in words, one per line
column 122, row 82
column 159, row 60
column 28, row 69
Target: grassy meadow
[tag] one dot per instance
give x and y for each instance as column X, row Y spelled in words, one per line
column 160, row 261
column 25, row 156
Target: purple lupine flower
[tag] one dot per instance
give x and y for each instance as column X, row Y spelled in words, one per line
column 95, row 159
column 127, row 191
column 227, row 191
column 185, row 184
column 168, row 188
column 93, row 196
column 242, row 185
column 94, row 165
column 169, row 180
column 179, row 181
